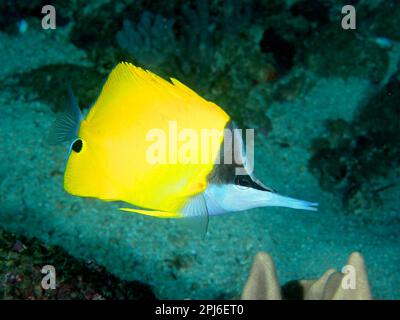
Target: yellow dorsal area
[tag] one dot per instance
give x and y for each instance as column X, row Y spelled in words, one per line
column 124, row 130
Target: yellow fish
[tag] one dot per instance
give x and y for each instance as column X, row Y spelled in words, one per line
column 113, row 151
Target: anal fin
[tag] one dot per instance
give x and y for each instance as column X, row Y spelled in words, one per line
column 153, row 213
column 195, row 214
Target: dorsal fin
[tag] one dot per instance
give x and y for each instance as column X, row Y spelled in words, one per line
column 66, row 126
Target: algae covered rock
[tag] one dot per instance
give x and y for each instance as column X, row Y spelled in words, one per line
column 358, row 159
column 345, row 53
column 21, row 263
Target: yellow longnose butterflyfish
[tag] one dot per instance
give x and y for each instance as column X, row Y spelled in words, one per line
column 123, row 150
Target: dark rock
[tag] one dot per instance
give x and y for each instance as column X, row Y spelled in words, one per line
column 21, row 277
column 282, row 50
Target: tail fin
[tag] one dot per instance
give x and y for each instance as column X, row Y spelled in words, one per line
column 278, row 200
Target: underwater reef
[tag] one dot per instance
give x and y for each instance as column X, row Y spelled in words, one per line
column 324, row 105
column 359, row 159
column 21, row 276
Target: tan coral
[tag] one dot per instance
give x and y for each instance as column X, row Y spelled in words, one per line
column 263, row 283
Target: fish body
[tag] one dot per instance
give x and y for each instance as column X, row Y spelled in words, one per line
column 109, row 158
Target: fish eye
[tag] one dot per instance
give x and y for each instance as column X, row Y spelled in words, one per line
column 77, row 145
column 243, row 181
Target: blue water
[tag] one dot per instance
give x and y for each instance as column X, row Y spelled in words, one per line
column 322, row 101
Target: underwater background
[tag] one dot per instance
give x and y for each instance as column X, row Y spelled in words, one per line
column 324, row 102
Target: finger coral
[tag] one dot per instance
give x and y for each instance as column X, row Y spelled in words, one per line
column 263, row 283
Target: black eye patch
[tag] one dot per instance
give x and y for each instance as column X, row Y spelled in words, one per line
column 246, row 181
column 77, row 145
column 243, row 181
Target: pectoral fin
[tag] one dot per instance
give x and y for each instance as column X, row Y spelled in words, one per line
column 196, row 213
